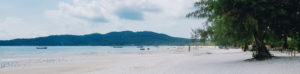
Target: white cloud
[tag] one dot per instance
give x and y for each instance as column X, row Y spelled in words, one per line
column 101, row 16
column 165, row 16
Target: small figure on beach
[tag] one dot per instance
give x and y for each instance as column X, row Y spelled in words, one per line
column 189, row 49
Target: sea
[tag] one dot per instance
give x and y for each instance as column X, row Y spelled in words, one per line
column 10, row 55
column 32, row 50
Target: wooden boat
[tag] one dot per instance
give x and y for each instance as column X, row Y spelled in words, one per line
column 117, row 47
column 41, row 47
column 142, row 48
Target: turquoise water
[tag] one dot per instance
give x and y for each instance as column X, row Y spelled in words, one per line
column 31, row 50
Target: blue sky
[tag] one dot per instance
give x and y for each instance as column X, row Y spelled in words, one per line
column 34, row 18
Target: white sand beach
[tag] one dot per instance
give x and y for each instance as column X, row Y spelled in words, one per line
column 206, row 60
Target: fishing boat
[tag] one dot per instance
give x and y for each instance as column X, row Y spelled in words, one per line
column 41, row 47
column 142, row 48
column 117, row 47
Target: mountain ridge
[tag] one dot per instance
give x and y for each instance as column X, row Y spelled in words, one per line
column 96, row 39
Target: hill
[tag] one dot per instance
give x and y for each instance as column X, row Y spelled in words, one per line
column 96, row 39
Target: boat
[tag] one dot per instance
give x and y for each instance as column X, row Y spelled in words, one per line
column 42, row 47
column 142, row 48
column 117, row 47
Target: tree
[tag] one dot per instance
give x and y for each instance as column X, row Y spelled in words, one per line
column 286, row 19
column 240, row 22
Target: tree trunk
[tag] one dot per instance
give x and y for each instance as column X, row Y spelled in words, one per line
column 298, row 47
column 261, row 50
column 285, row 45
column 246, row 47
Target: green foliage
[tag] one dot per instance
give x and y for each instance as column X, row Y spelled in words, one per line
column 241, row 22
column 294, row 43
column 273, row 39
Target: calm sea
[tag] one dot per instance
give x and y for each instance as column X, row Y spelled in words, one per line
column 32, row 50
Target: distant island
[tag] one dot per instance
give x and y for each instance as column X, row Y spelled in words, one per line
column 124, row 38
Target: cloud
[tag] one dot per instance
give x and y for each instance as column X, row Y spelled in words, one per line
column 102, row 16
column 130, row 14
column 163, row 16
column 98, row 19
column 104, row 9
column 93, row 19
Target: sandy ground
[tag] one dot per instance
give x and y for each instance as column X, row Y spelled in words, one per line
column 168, row 61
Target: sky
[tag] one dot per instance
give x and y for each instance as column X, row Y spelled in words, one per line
column 36, row 18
